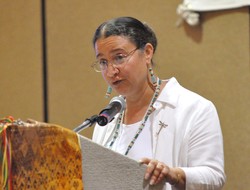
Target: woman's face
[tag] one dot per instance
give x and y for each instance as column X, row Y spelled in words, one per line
column 130, row 76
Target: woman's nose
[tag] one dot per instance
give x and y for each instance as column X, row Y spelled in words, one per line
column 111, row 70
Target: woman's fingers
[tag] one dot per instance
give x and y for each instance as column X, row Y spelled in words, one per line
column 144, row 161
column 156, row 171
column 162, row 176
column 159, row 173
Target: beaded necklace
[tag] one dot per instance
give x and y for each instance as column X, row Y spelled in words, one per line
column 144, row 120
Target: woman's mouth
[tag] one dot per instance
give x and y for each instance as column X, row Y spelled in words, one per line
column 117, row 82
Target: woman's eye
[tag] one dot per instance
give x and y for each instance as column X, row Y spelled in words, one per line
column 103, row 62
column 119, row 57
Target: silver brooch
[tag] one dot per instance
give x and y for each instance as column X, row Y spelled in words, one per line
column 162, row 125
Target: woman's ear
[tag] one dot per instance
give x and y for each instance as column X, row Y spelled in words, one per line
column 149, row 51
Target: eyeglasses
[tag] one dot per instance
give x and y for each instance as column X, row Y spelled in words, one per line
column 117, row 60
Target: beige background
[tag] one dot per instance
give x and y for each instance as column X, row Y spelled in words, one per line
column 211, row 59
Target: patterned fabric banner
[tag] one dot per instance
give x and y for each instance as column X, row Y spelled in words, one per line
column 39, row 156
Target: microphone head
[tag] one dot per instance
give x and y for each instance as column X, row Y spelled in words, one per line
column 120, row 100
column 116, row 105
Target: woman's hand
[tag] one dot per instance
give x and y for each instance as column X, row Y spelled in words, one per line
column 157, row 172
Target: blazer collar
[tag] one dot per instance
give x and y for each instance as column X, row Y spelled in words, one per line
column 170, row 93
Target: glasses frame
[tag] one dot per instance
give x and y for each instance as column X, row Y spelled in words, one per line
column 126, row 57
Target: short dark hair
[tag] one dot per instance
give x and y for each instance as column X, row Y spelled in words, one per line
column 139, row 33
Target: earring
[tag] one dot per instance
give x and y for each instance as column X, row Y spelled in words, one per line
column 109, row 91
column 153, row 78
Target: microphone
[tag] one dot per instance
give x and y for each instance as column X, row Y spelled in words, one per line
column 116, row 105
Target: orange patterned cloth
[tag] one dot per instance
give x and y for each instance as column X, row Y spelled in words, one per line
column 43, row 156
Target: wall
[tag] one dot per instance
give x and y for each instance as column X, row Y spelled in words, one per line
column 211, row 59
column 20, row 60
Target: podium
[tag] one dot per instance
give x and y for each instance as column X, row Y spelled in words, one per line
column 43, row 156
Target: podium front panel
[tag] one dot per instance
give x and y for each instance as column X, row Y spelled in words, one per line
column 106, row 169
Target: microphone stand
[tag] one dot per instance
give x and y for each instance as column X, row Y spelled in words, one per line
column 87, row 123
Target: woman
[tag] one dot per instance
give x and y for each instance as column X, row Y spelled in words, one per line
column 172, row 130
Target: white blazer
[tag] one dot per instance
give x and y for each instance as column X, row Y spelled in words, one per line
column 192, row 139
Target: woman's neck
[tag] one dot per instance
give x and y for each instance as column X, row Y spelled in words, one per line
column 137, row 105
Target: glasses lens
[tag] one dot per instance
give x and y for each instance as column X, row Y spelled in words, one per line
column 96, row 66
column 117, row 61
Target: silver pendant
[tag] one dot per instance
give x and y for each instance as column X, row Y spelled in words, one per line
column 162, row 125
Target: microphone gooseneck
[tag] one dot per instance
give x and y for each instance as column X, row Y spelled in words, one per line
column 87, row 123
